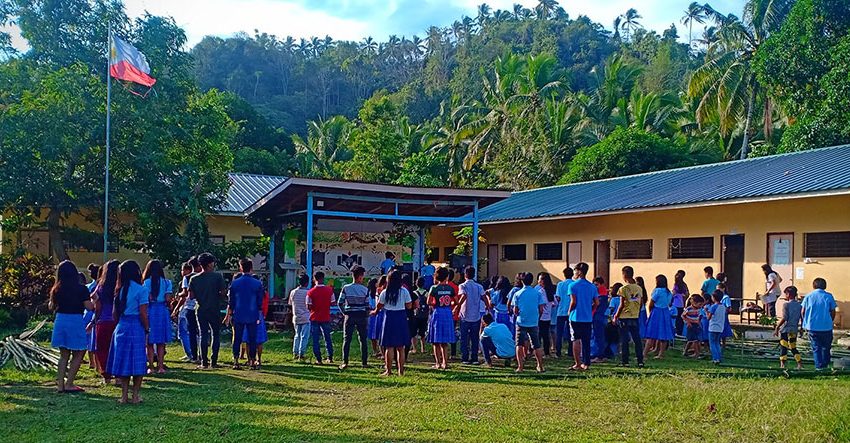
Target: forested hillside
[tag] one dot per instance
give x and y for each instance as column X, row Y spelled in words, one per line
column 507, row 98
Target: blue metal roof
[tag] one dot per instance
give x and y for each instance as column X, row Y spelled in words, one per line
column 246, row 189
column 818, row 170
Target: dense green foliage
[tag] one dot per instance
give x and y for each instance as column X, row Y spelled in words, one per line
column 512, row 99
column 624, row 152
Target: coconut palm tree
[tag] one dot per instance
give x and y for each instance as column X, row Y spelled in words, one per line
column 725, row 84
column 483, row 14
column 630, row 21
column 369, row 45
column 546, row 8
column 326, row 145
column 694, row 13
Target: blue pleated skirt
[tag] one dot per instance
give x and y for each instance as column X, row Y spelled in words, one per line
column 160, row 324
column 127, row 355
column 658, row 327
column 69, row 332
column 441, row 326
column 395, row 331
column 704, row 332
column 727, row 329
column 375, row 322
column 91, row 343
column 642, row 321
column 262, row 333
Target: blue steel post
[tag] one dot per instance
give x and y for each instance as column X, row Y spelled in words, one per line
column 309, row 264
column 475, row 238
column 420, row 251
column 270, row 264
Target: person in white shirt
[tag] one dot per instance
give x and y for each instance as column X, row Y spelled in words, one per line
column 300, row 317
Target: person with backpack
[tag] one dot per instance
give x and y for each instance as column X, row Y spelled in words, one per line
column 419, row 325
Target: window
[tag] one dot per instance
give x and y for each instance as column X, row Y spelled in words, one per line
column 513, row 252
column 434, row 254
column 633, row 249
column 217, row 239
column 250, row 238
column 827, row 244
column 693, row 247
column 548, row 251
column 80, row 240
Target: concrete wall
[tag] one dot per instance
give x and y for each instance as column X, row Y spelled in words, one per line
column 754, row 220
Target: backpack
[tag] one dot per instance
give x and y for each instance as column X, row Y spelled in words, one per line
column 422, row 311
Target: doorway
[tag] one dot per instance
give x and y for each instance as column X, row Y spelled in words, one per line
column 492, row 260
column 732, row 264
column 601, row 260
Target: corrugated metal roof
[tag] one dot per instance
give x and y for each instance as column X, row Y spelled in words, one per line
column 818, row 170
column 245, row 189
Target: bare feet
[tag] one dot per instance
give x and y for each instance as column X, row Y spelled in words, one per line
column 386, row 374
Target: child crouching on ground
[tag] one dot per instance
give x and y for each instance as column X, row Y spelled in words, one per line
column 693, row 327
column 788, row 327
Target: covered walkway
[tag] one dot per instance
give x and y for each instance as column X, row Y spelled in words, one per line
column 306, row 201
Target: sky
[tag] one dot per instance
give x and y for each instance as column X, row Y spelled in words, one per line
column 357, row 19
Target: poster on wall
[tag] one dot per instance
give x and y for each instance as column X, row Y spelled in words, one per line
column 781, row 252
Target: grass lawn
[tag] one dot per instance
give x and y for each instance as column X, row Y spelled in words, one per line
column 673, row 401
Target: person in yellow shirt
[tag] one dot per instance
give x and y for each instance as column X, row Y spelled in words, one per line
column 626, row 317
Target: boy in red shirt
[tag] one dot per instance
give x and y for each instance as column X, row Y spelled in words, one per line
column 319, row 301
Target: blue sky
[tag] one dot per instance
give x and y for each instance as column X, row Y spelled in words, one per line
column 356, row 19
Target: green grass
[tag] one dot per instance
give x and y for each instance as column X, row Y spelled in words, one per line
column 674, row 401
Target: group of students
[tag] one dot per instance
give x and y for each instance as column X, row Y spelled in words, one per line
column 124, row 318
column 535, row 317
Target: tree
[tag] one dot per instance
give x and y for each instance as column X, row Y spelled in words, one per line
column 624, row 152
column 726, row 84
column 424, row 169
column 630, row 21
column 694, row 13
column 376, row 144
column 326, row 145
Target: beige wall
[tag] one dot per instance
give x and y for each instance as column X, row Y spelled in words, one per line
column 754, row 220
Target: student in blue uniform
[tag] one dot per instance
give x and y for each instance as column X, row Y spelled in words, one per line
column 160, row 292
column 716, row 319
column 584, row 297
column 388, row 264
column 499, row 297
column 598, row 342
column 496, row 340
column 89, row 317
column 710, row 283
column 427, row 274
column 68, row 299
column 659, row 329
column 127, row 356
column 373, row 330
column 395, row 332
column 727, row 301
column 562, row 318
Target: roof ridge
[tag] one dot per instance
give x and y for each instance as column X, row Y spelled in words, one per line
column 704, row 165
column 250, row 174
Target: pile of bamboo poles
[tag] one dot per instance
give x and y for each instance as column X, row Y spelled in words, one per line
column 26, row 353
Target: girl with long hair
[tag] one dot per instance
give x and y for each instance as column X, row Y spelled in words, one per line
column 394, row 300
column 104, row 323
column 128, row 357
column 680, row 298
column 160, row 290
column 499, row 297
column 659, row 329
column 68, row 299
column 642, row 316
column 547, row 289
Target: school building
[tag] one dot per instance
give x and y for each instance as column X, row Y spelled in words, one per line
column 791, row 211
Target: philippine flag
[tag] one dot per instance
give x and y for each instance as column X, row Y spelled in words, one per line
column 127, row 63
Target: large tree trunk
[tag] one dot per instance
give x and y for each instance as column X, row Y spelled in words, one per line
column 54, row 231
column 745, row 143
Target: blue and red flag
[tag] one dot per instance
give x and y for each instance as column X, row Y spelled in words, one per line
column 128, row 64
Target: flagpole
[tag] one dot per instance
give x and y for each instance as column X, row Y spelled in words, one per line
column 108, row 106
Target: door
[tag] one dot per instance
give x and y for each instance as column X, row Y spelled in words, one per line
column 601, row 260
column 492, row 260
column 573, row 253
column 732, row 264
column 780, row 256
